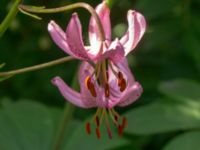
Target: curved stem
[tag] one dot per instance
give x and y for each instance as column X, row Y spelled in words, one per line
column 10, row 16
column 36, row 67
column 32, row 9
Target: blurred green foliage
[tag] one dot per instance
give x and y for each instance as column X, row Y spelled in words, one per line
column 166, row 63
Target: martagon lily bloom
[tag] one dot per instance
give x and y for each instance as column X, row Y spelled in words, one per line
column 104, row 76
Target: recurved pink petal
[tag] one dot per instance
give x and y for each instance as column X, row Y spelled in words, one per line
column 74, row 38
column 136, row 29
column 68, row 93
column 131, row 95
column 59, row 37
column 104, row 14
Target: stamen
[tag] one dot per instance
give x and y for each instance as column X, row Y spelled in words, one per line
column 97, row 121
column 107, row 90
column 121, row 82
column 98, row 134
column 116, row 118
column 113, row 117
column 92, row 90
column 120, row 75
column 124, row 122
column 123, row 85
column 87, row 81
column 87, row 127
column 109, row 133
column 120, row 130
column 108, row 126
column 90, row 86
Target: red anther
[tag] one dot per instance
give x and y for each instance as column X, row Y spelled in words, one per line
column 98, row 134
column 97, row 121
column 107, row 90
column 109, row 133
column 121, row 82
column 92, row 90
column 87, row 127
column 120, row 130
column 124, row 122
column 120, row 75
column 122, row 85
column 90, row 86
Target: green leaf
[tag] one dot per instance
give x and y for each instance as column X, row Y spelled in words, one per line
column 2, row 65
column 186, row 141
column 181, row 90
column 162, row 117
column 25, row 125
column 91, row 142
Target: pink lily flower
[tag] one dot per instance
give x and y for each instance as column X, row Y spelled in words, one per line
column 106, row 81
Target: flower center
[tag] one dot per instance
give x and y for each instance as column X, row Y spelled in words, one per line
column 102, row 74
column 101, row 77
column 101, row 116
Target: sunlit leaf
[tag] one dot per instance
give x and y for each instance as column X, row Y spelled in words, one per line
column 162, row 117
column 181, row 89
column 186, row 141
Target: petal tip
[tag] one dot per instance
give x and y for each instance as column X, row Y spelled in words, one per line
column 54, row 80
column 139, row 88
column 50, row 25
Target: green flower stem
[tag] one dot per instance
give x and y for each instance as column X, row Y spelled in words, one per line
column 110, row 3
column 10, row 16
column 33, row 9
column 36, row 67
column 67, row 116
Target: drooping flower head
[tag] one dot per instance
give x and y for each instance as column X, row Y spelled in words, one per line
column 104, row 76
